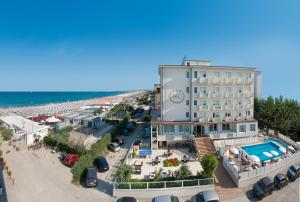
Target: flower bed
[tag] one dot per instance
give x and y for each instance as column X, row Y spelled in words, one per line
column 171, row 162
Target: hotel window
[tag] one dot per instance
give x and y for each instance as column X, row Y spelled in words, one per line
column 187, row 114
column 195, row 90
column 217, row 74
column 242, row 128
column 225, row 127
column 195, row 115
column 247, row 113
column 187, row 102
column 195, row 102
column 195, row 74
column 213, row 127
column 252, row 127
column 228, row 74
column 249, row 75
column 187, row 74
column 228, row 90
column 227, row 114
column 183, row 128
column 168, row 129
column 187, row 89
column 240, row 114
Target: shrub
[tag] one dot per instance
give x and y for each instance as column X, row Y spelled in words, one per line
column 182, row 173
column 17, row 149
column 171, row 162
column 209, row 164
column 124, row 173
column 79, row 167
column 6, row 133
column 8, row 151
column 147, row 118
column 9, row 173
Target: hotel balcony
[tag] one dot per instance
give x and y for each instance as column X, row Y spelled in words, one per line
column 239, row 81
column 216, row 119
column 248, row 94
column 216, row 80
column 203, row 95
column 203, row 80
column 239, row 95
column 228, row 95
column 217, row 107
column 238, row 107
column 238, row 118
column 228, row 81
column 249, row 81
column 228, row 119
column 203, row 119
column 203, row 107
column 228, row 107
column 216, row 95
column 249, row 106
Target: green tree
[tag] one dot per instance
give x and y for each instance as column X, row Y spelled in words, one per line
column 124, row 173
column 79, row 167
column 6, row 133
column 182, row 173
column 209, row 164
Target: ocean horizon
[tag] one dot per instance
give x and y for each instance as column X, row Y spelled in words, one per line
column 35, row 98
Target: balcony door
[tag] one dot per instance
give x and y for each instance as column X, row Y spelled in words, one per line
column 199, row 130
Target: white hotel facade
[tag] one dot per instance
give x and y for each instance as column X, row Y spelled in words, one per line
column 199, row 99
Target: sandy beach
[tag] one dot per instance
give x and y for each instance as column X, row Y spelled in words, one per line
column 58, row 108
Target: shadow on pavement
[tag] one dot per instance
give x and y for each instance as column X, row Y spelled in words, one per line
column 3, row 197
column 104, row 187
column 250, row 196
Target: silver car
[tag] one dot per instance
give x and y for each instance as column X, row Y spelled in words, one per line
column 206, row 196
column 167, row 198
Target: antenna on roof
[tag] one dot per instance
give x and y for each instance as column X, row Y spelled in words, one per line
column 183, row 59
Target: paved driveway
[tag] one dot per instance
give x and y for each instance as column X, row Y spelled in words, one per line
column 40, row 176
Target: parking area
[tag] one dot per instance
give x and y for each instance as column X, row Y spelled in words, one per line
column 40, row 176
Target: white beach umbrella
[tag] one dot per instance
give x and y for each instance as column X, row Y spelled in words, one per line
column 267, row 154
column 52, row 119
column 282, row 149
column 234, row 150
column 275, row 153
column 255, row 158
column 291, row 148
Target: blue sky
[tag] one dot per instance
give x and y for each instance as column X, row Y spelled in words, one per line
column 117, row 45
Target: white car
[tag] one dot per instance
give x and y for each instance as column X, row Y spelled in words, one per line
column 114, row 147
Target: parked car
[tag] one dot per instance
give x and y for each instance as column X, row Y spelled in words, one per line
column 280, row 180
column 206, row 196
column 167, row 198
column 70, row 159
column 119, row 140
column 90, row 177
column 293, row 172
column 126, row 199
column 101, row 164
column 263, row 187
column 124, row 132
column 114, row 147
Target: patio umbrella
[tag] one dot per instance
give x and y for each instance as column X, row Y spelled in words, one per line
column 255, row 158
column 267, row 154
column 291, row 148
column 275, row 153
column 283, row 150
column 234, row 150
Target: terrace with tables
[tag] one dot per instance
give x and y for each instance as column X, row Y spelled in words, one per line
column 146, row 165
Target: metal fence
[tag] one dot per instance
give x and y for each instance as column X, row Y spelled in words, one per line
column 164, row 184
column 222, row 143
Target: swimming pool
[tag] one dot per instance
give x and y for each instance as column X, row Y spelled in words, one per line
column 259, row 149
column 279, row 142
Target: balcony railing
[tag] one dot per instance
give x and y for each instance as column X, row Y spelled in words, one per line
column 203, row 80
column 216, row 119
column 203, row 107
column 239, row 95
column 248, row 81
column 239, row 106
column 249, row 106
column 248, row 94
column 216, row 95
column 217, row 107
column 228, row 80
column 203, row 95
column 227, row 119
column 229, row 107
column 228, row 95
column 239, row 81
column 203, row 119
column 216, row 80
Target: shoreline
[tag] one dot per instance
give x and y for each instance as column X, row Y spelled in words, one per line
column 63, row 107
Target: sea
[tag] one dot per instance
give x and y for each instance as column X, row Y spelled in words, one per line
column 22, row 99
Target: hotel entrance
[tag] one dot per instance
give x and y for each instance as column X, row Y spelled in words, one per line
column 199, row 130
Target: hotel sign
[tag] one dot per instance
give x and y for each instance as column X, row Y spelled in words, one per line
column 176, row 96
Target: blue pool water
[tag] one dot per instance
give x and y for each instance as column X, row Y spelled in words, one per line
column 279, row 142
column 258, row 149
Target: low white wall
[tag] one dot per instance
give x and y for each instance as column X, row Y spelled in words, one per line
column 245, row 140
column 289, row 141
column 150, row 193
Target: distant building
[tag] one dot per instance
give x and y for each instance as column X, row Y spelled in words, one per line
column 199, row 99
column 24, row 129
column 157, row 96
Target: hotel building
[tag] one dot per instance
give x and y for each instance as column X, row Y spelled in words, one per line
column 198, row 99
